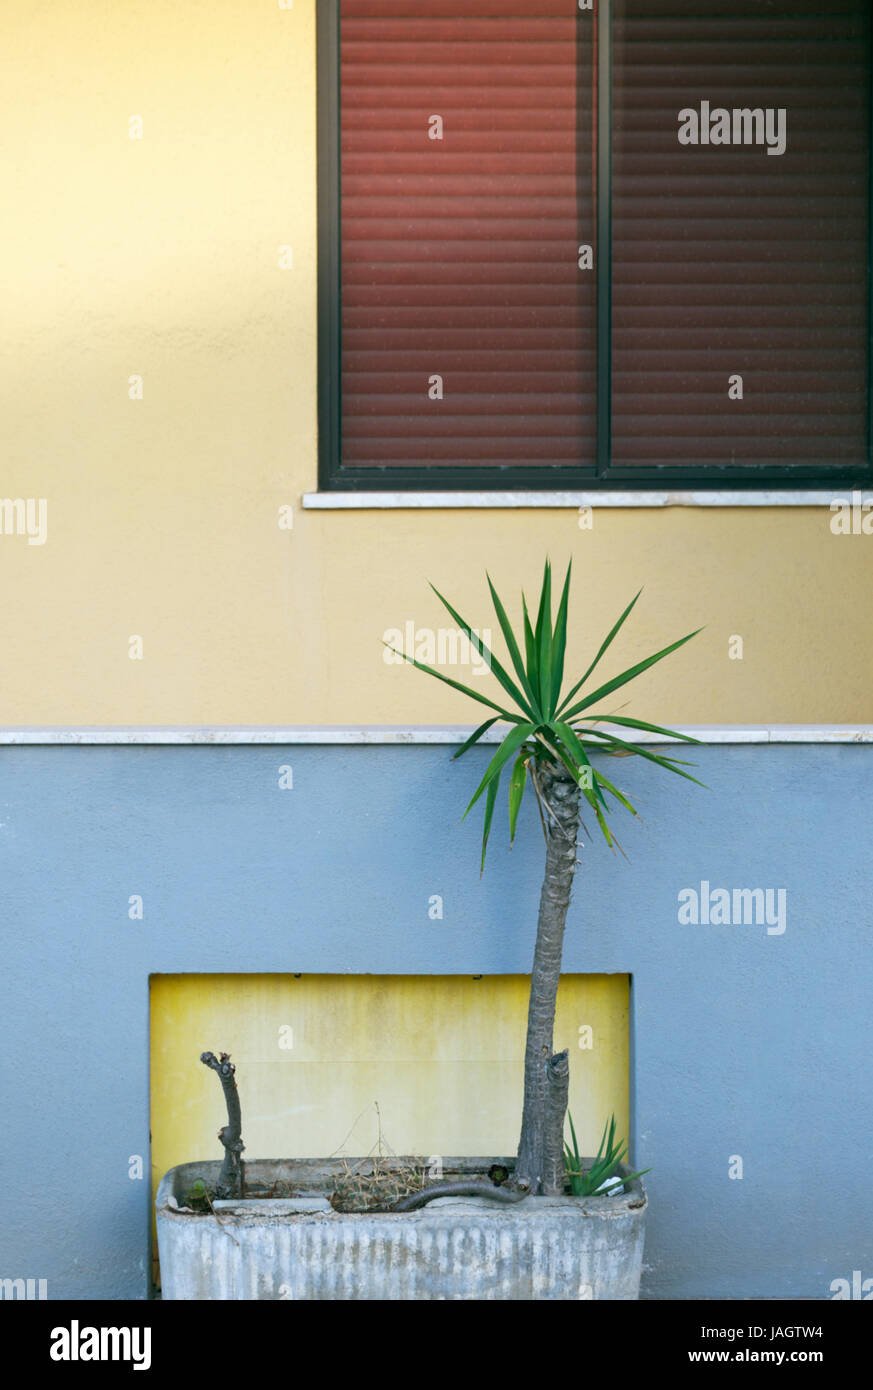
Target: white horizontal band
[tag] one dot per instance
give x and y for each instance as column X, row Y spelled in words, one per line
column 363, row 501
column 414, row 733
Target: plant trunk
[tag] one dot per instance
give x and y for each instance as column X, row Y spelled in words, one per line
column 557, row 1089
column 546, row 1076
column 231, row 1180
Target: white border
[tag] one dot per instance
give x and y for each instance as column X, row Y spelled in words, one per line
column 369, row 501
column 414, row 733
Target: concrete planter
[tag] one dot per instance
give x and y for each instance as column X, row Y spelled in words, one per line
column 297, row 1247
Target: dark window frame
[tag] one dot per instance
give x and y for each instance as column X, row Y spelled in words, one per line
column 333, row 477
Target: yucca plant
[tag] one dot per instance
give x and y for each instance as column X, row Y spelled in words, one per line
column 585, row 1182
column 550, row 743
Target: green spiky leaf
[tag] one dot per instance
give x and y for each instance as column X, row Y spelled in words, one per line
column 490, row 802
column 559, row 643
column 513, row 649
column 510, row 744
column 482, row 650
column 476, row 735
column 543, row 635
column 628, row 675
column 517, row 785
column 604, row 645
column 457, row 685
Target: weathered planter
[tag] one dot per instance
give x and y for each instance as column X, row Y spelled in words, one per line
column 455, row 1248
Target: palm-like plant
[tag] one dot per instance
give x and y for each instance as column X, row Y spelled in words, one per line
column 549, row 743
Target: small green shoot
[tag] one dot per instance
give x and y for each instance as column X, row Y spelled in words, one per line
column 198, row 1197
column 585, row 1182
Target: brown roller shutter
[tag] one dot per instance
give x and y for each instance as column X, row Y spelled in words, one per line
column 459, row 255
column 729, row 262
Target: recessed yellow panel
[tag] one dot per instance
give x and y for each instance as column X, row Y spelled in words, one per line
column 327, row 1063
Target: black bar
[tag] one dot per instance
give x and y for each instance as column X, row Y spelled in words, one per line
column 566, row 478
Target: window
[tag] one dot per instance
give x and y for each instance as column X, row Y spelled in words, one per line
column 625, row 246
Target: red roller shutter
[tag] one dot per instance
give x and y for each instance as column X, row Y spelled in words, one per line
column 468, row 329
column 729, row 262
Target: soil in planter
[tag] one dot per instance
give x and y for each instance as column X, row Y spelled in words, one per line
column 386, row 1181
column 371, row 1185
column 200, row 1197
column 373, row 1189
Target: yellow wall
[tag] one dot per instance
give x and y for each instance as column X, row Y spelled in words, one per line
column 441, row 1056
column 159, row 257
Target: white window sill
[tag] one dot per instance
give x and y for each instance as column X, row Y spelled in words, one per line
column 415, row 734
column 369, row 501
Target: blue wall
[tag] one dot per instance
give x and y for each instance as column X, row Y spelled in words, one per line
column 744, row 1042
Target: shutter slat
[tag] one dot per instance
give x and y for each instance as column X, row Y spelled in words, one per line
column 550, row 130
column 470, row 423
column 504, row 361
column 475, row 301
column 548, row 233
column 473, row 339
column 376, row 385
column 382, row 13
column 544, row 450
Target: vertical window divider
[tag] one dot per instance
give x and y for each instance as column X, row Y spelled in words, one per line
column 329, row 240
column 604, row 234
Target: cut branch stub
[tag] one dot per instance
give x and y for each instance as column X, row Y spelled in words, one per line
column 231, row 1180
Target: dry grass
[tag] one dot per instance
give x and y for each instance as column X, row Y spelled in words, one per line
column 375, row 1184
